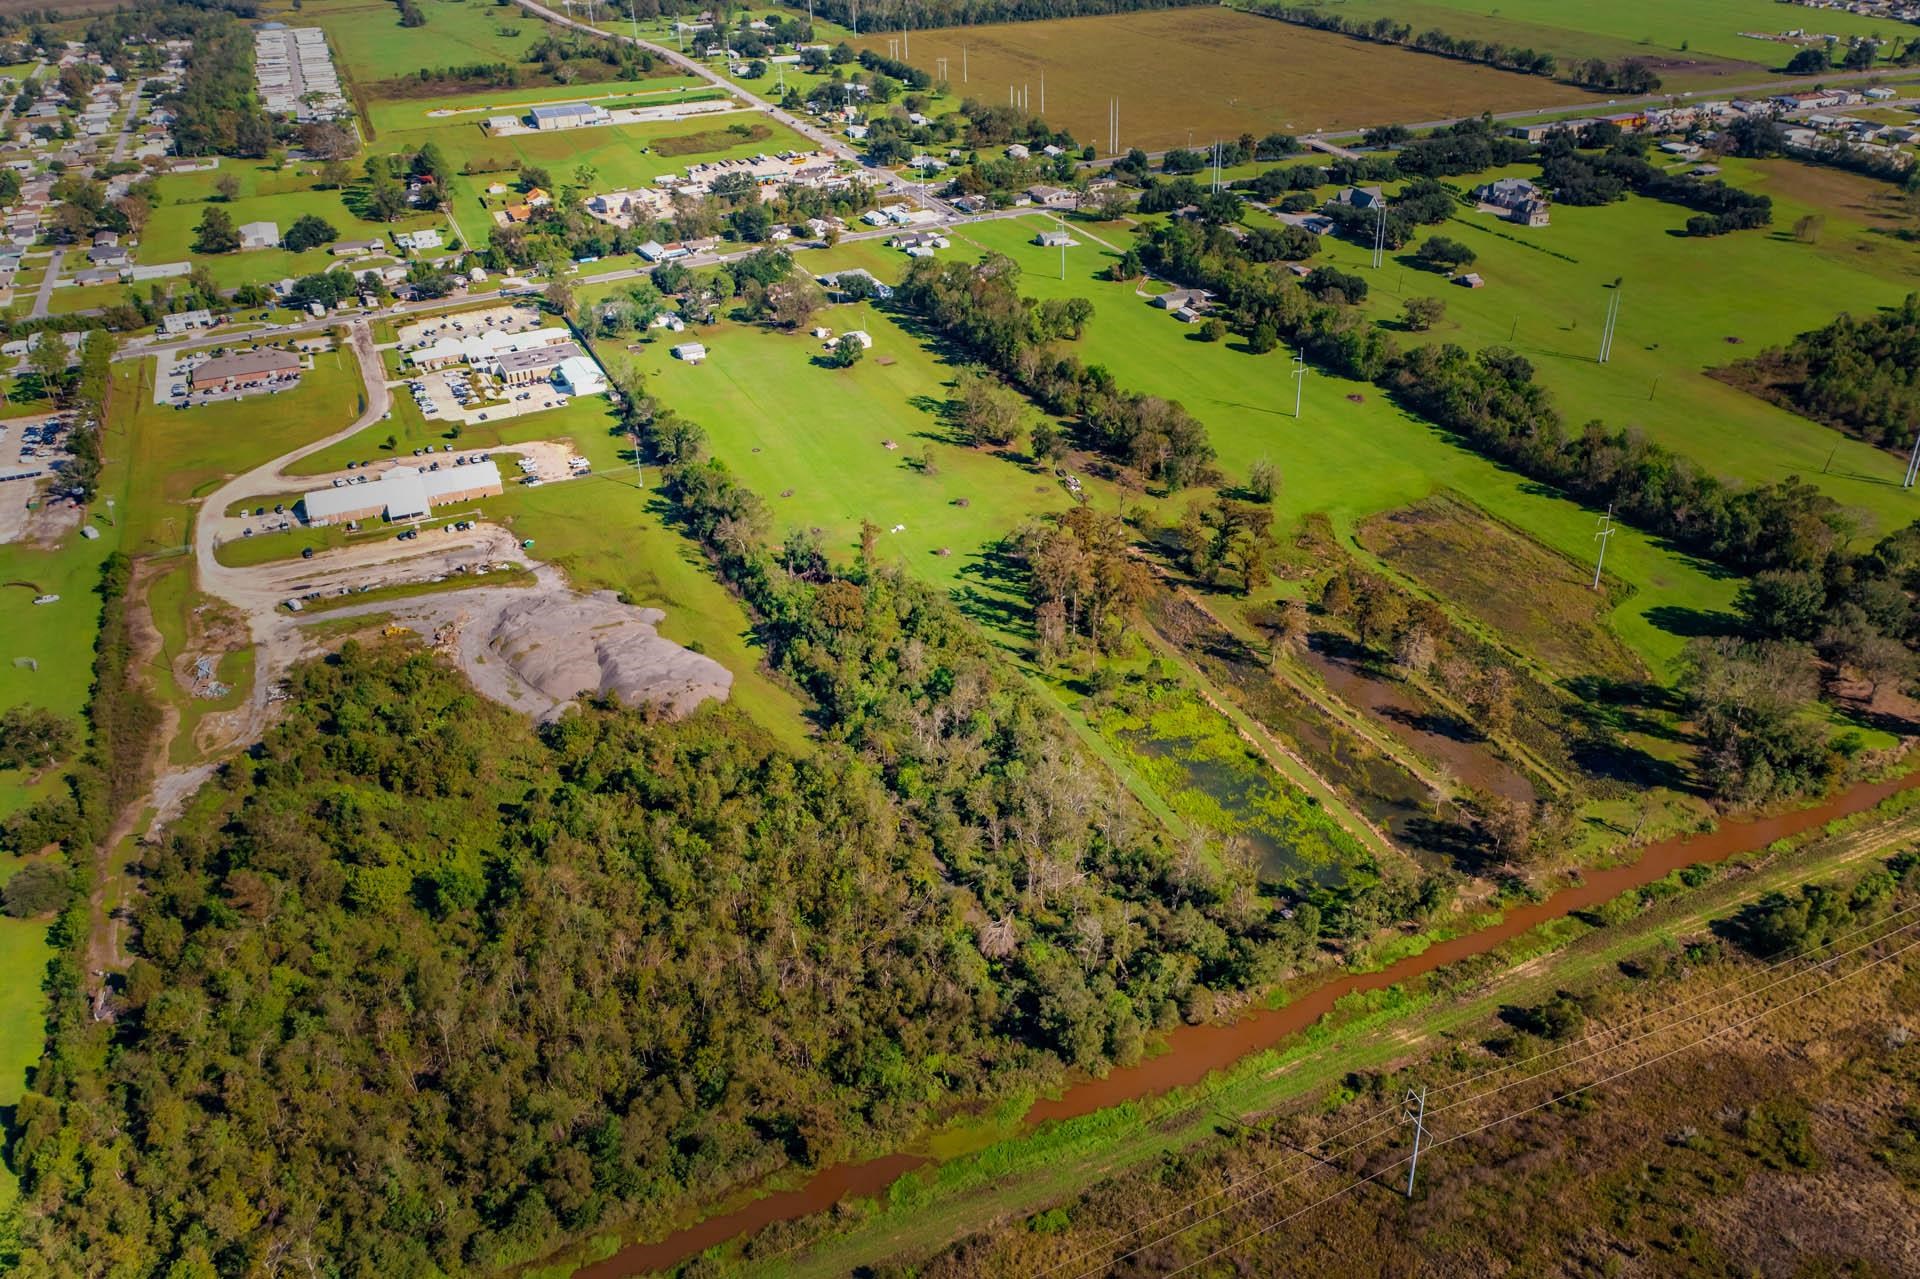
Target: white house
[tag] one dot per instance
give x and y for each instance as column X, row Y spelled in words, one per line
column 259, row 235
column 417, row 240
column 691, row 352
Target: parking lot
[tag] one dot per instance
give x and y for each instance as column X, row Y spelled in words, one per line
column 172, row 380
column 510, row 318
column 450, row 395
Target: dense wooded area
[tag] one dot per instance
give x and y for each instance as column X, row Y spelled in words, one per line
column 1859, row 375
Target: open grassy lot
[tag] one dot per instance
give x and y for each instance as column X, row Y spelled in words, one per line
column 182, row 455
column 1688, row 305
column 23, row 961
column 1207, row 73
column 280, row 196
column 813, row 442
column 370, row 44
column 1655, row 29
column 1468, row 560
column 1352, row 454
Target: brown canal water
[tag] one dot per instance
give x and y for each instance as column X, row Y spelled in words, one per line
column 1194, row 1052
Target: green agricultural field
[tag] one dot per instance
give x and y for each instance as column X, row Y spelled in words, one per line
column 266, row 195
column 1688, row 305
column 1670, row 34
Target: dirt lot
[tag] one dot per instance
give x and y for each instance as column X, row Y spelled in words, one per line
column 1202, row 74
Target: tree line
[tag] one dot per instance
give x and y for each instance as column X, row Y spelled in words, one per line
column 926, row 14
column 1584, row 178
column 979, row 307
column 1860, row 375
column 1490, row 53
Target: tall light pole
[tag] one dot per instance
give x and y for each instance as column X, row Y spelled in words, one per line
column 1300, row 371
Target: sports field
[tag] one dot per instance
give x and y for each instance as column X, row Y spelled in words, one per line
column 1668, row 33
column 1205, row 73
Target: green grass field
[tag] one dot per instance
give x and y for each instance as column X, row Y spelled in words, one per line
column 370, row 45
column 1643, row 28
column 23, row 961
column 1684, row 301
column 813, row 442
column 266, row 195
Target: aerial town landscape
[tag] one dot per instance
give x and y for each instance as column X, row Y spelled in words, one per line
column 1112, row 638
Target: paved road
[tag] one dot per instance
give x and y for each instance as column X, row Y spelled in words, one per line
column 43, row 299
column 141, row 348
column 827, row 141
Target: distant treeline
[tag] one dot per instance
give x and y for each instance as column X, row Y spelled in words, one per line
column 921, row 15
column 1579, row 178
column 1387, row 31
column 1861, row 376
column 1629, row 75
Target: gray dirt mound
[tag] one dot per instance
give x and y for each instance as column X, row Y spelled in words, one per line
column 594, row 644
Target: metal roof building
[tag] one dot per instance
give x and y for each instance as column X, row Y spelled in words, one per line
column 402, row 493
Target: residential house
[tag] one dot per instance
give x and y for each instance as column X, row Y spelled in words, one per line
column 259, row 235
column 1520, row 200
column 185, row 322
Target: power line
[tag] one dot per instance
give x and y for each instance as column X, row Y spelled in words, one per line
column 1245, row 1189
column 1558, row 1097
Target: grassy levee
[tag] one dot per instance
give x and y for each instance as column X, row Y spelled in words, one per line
column 1021, row 1175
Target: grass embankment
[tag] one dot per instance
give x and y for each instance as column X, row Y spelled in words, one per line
column 1024, row 1174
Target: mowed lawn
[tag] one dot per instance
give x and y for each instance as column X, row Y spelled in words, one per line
column 813, row 442
column 369, row 43
column 1684, row 301
column 281, row 197
column 184, row 454
column 1352, row 453
column 1193, row 75
column 1656, row 29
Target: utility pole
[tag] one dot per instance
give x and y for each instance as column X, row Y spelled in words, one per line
column 1299, row 380
column 1913, row 464
column 1043, row 93
column 963, row 64
column 1606, row 331
column 1605, row 533
column 1380, row 234
column 1416, row 1103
